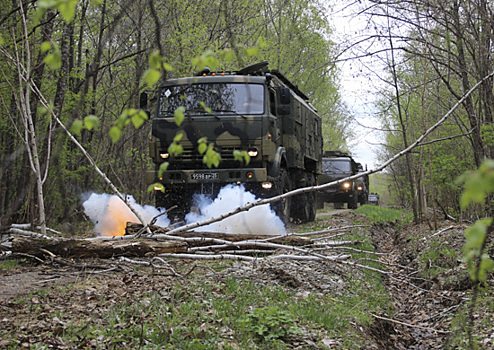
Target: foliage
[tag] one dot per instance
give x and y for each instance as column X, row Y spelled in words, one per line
column 478, row 187
column 99, row 56
column 270, row 323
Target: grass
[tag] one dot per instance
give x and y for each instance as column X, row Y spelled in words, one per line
column 377, row 214
column 9, row 264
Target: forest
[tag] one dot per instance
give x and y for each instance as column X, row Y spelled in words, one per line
column 72, row 119
column 90, row 60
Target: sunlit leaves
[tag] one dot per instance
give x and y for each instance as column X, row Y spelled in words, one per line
column 155, row 187
column 54, row 57
column 179, row 115
column 91, row 122
column 206, row 108
column 478, row 184
column 115, row 133
column 175, row 147
column 475, row 240
column 65, row 7
column 76, row 127
column 130, row 115
column 162, row 169
column 157, row 65
column 202, row 145
column 211, row 157
column 241, row 156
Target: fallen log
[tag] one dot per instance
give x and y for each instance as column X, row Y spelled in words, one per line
column 80, row 248
column 133, row 228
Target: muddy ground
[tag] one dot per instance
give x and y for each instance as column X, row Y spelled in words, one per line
column 423, row 307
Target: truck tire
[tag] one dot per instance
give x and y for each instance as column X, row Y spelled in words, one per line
column 312, row 202
column 353, row 201
column 282, row 208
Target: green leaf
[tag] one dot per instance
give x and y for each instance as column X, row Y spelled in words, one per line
column 202, row 148
column 155, row 187
column 115, row 133
column 67, row 9
column 163, row 168
column 478, row 184
column 151, row 77
column 206, row 108
column 486, row 266
column 168, row 67
column 45, row 46
column 76, row 127
column 179, row 115
column 178, row 137
column 155, row 60
column 53, row 60
column 91, row 122
column 2, row 40
column 137, row 120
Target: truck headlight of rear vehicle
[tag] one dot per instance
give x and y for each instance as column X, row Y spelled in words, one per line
column 360, row 188
column 267, row 185
column 347, row 185
column 252, row 152
column 165, row 155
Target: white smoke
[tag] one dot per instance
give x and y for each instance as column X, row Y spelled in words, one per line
column 110, row 215
column 258, row 220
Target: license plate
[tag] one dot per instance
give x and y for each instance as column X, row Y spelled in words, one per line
column 204, row 176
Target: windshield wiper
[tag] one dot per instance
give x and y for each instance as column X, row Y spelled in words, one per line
column 228, row 111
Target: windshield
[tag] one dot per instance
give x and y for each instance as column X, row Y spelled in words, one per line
column 342, row 165
column 231, row 98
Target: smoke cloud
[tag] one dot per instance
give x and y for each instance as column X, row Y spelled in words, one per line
column 258, row 220
column 110, row 215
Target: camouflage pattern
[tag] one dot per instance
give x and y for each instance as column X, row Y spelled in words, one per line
column 339, row 165
column 286, row 135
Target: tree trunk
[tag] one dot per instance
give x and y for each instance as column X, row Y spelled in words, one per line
column 104, row 249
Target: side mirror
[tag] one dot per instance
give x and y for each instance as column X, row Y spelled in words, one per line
column 285, row 96
column 143, row 100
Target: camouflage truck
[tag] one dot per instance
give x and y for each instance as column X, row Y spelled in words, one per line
column 335, row 166
column 254, row 110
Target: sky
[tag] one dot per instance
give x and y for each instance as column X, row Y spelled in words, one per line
column 358, row 84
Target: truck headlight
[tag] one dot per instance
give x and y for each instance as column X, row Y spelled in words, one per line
column 252, row 152
column 267, row 185
column 360, row 188
column 347, row 184
column 164, row 155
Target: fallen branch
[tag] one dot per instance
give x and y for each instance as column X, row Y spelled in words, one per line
column 410, row 325
column 81, row 248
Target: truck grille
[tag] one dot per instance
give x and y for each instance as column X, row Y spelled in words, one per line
column 191, row 159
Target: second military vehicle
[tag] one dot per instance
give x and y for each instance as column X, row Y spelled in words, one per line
column 253, row 110
column 335, row 166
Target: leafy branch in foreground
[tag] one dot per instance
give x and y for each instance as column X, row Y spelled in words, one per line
column 478, row 188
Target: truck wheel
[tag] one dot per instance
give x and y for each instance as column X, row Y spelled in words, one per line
column 282, row 208
column 312, row 206
column 353, row 202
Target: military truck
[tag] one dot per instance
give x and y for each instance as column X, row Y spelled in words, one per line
column 255, row 110
column 337, row 165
